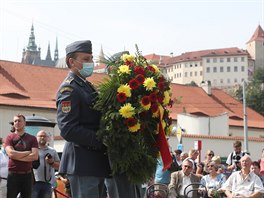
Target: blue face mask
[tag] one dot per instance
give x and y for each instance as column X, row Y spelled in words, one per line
column 87, row 70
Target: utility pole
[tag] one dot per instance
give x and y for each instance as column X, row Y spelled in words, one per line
column 245, row 118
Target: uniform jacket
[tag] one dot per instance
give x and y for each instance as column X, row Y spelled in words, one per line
column 176, row 183
column 83, row 154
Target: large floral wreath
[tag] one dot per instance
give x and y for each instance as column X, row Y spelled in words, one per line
column 134, row 103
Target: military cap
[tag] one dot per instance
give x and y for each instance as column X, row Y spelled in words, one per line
column 79, row 46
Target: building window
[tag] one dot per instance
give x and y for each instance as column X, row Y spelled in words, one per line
column 221, row 69
column 175, row 76
column 180, row 75
column 195, row 73
column 235, row 59
column 201, row 73
column 208, row 60
column 228, row 80
column 195, row 65
column 207, row 69
column 215, row 69
column 185, row 74
column 228, row 60
column 221, row 60
column 201, row 63
column 228, row 69
column 221, row 81
column 190, row 74
column 235, row 69
column 215, row 60
column 242, row 59
column 235, row 80
column 242, row 68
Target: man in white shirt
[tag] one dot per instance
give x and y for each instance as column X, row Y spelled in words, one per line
column 3, row 171
column 181, row 179
column 243, row 183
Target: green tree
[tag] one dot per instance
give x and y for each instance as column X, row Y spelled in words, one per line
column 254, row 92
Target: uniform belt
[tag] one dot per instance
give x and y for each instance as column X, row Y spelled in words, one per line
column 19, row 172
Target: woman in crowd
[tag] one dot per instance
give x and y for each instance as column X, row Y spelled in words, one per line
column 217, row 160
column 214, row 180
column 202, row 167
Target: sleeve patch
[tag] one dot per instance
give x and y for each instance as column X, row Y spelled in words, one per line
column 66, row 89
column 66, row 106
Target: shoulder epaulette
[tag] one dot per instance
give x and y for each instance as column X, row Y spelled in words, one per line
column 69, row 80
column 66, row 89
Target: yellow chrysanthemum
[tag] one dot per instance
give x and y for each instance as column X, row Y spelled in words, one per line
column 166, row 99
column 123, row 69
column 127, row 57
column 127, row 111
column 125, row 89
column 134, row 128
column 145, row 107
column 149, row 83
column 156, row 114
column 156, row 68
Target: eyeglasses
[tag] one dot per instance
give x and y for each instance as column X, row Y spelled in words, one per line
column 211, row 154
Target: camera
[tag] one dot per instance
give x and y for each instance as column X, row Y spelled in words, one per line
column 236, row 158
column 48, row 155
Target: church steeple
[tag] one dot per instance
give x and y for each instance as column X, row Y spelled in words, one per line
column 48, row 57
column 31, row 43
column 56, row 52
column 101, row 57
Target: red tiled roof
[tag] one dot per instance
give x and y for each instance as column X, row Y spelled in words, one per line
column 36, row 86
column 156, row 58
column 198, row 55
column 258, row 35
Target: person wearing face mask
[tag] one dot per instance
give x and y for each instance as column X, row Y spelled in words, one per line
column 84, row 158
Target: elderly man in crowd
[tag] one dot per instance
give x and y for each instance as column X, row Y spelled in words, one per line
column 181, row 179
column 243, row 183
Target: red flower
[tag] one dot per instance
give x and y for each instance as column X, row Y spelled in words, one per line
column 161, row 86
column 153, row 97
column 140, row 78
column 131, row 122
column 139, row 70
column 161, row 78
column 130, row 63
column 121, row 97
column 160, row 98
column 154, row 107
column 151, row 68
column 145, row 100
column 133, row 84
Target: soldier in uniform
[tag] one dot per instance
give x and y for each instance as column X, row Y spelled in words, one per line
column 84, row 158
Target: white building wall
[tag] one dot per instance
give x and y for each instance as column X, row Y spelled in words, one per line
column 215, row 126
column 232, row 73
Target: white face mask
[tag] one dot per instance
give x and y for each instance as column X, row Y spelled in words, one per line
column 87, row 70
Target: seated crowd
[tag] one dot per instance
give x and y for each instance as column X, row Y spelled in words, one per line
column 240, row 177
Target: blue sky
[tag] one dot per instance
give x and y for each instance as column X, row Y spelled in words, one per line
column 159, row 27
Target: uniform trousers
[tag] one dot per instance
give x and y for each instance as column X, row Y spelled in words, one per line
column 86, row 186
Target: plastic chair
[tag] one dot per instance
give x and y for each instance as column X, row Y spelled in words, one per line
column 157, row 191
column 195, row 188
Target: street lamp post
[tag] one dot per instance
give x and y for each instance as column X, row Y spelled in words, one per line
column 245, row 118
